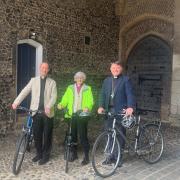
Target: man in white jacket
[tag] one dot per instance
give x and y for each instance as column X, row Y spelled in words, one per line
column 43, row 97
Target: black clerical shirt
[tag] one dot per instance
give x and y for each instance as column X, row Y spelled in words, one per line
column 42, row 88
column 114, row 84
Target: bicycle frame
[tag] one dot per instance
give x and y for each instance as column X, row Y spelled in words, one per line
column 69, row 135
column 28, row 126
column 140, row 127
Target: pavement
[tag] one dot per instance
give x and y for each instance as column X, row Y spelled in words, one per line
column 168, row 168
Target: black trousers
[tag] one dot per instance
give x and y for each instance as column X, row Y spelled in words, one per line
column 109, row 123
column 42, row 131
column 79, row 126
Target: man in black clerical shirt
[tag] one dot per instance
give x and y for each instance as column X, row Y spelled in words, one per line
column 117, row 96
column 43, row 97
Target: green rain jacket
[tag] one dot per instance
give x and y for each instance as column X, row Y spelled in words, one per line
column 67, row 100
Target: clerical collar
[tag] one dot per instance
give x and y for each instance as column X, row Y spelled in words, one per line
column 43, row 77
column 116, row 77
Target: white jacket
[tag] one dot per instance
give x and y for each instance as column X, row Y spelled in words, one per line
column 33, row 87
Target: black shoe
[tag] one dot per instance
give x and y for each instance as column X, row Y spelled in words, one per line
column 85, row 161
column 71, row 159
column 37, row 158
column 72, row 156
column 43, row 161
column 120, row 161
column 75, row 155
column 108, row 161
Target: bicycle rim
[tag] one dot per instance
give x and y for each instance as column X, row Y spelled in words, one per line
column 151, row 144
column 19, row 154
column 105, row 154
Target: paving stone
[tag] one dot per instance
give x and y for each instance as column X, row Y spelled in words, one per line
column 167, row 168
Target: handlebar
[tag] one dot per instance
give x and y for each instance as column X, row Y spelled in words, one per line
column 29, row 110
column 121, row 113
column 79, row 113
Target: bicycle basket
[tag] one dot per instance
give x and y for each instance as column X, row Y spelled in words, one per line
column 128, row 121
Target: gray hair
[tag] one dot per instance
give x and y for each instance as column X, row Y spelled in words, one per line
column 80, row 75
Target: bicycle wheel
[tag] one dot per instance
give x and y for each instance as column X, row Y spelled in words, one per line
column 151, row 143
column 106, row 154
column 20, row 152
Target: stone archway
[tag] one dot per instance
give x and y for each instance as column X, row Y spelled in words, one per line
column 149, row 65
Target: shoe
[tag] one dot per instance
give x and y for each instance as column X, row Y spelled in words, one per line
column 108, row 160
column 37, row 158
column 120, row 161
column 43, row 161
column 72, row 156
column 85, row 161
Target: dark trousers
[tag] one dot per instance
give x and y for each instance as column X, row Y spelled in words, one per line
column 109, row 123
column 79, row 126
column 42, row 131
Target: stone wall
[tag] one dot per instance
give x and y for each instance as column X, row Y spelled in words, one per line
column 140, row 19
column 175, row 97
column 61, row 27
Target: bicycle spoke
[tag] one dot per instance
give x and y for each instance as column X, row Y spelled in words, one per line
column 151, row 144
column 19, row 155
column 105, row 155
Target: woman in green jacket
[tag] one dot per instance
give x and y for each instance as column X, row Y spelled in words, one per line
column 77, row 97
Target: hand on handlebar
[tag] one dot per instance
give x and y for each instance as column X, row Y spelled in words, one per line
column 128, row 112
column 85, row 110
column 101, row 110
column 14, row 106
column 60, row 107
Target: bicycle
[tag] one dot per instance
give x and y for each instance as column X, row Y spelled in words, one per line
column 147, row 138
column 68, row 139
column 24, row 142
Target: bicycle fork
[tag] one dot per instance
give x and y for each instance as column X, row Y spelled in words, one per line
column 113, row 138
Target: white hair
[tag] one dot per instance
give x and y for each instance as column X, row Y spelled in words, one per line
column 80, row 75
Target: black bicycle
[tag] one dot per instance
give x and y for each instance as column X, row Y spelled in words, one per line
column 68, row 139
column 25, row 140
column 148, row 144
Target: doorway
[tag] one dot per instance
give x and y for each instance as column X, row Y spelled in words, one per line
column 149, row 66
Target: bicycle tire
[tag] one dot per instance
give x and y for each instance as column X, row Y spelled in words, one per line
column 95, row 153
column 22, row 143
column 149, row 139
column 67, row 159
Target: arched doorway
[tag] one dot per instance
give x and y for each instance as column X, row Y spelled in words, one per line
column 149, row 66
column 29, row 57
